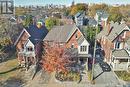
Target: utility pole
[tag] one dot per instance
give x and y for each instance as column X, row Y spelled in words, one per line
column 94, row 53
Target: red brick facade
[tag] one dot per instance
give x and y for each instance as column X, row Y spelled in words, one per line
column 73, row 39
column 108, row 45
column 22, row 40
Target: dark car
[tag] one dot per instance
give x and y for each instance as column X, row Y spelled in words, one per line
column 105, row 67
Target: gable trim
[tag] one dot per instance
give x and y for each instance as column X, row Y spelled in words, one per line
column 76, row 28
column 24, row 30
column 125, row 29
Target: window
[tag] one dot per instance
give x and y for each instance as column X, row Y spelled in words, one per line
column 72, row 46
column 83, row 48
column 117, row 45
column 29, row 49
column 76, row 36
column 22, row 46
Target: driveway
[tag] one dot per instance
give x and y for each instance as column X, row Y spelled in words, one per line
column 108, row 78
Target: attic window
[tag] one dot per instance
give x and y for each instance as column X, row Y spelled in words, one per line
column 22, row 46
column 30, row 49
column 72, row 46
column 76, row 36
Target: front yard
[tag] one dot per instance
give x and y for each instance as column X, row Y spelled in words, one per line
column 9, row 74
column 124, row 75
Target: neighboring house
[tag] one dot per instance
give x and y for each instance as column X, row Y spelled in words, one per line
column 101, row 17
column 120, row 60
column 28, row 44
column 113, row 37
column 20, row 19
column 79, row 18
column 91, row 22
column 71, row 37
column 66, row 21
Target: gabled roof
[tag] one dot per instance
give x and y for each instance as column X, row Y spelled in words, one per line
column 79, row 14
column 92, row 21
column 35, row 34
column 116, row 30
column 81, row 39
column 122, row 53
column 61, row 33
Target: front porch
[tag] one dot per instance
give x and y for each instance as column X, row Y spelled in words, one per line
column 120, row 60
column 26, row 58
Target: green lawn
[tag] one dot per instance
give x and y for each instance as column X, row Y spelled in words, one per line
column 123, row 75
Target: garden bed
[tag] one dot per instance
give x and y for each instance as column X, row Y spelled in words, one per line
column 69, row 76
column 124, row 75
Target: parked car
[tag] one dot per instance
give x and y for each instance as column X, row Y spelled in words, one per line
column 105, row 67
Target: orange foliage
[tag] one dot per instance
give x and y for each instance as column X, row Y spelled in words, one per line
column 55, row 58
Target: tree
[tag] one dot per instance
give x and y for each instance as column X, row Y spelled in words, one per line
column 90, row 34
column 78, row 8
column 28, row 20
column 95, row 7
column 50, row 22
column 115, row 18
column 55, row 58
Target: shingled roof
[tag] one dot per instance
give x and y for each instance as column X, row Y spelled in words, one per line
column 60, row 33
column 117, row 29
column 36, row 34
column 120, row 53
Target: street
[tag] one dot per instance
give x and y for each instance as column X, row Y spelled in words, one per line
column 107, row 78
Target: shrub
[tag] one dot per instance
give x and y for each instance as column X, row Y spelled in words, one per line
column 70, row 76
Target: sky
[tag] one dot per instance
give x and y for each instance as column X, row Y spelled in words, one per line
column 67, row 2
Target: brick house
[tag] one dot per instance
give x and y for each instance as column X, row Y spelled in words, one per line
column 27, row 44
column 113, row 37
column 72, row 38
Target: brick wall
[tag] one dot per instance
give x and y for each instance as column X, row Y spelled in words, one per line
column 73, row 39
column 22, row 41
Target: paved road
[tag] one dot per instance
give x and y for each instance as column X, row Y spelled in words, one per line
column 107, row 78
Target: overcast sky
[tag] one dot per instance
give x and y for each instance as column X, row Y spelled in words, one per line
column 68, row 2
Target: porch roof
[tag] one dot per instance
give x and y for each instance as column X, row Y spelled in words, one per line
column 120, row 54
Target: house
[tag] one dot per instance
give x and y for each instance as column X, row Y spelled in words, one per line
column 79, row 18
column 20, row 19
column 28, row 44
column 101, row 17
column 72, row 38
column 91, row 22
column 113, row 41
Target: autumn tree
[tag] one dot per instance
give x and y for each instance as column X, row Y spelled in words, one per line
column 93, row 8
column 78, row 8
column 115, row 14
column 55, row 58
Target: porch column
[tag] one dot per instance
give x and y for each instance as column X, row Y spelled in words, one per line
column 128, row 62
column 86, row 64
column 114, row 63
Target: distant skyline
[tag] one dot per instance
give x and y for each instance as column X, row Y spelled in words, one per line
column 67, row 2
